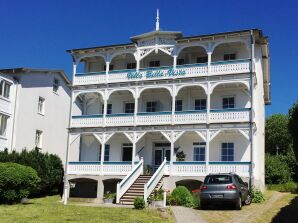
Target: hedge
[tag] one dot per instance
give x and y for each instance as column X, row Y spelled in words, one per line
column 16, row 182
column 49, row 168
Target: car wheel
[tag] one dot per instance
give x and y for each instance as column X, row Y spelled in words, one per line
column 248, row 200
column 203, row 206
column 238, row 204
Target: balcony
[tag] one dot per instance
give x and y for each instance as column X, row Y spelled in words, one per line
column 165, row 72
column 162, row 118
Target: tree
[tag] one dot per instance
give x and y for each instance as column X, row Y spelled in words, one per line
column 293, row 126
column 277, row 136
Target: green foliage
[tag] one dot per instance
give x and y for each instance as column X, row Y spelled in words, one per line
column 293, row 127
column 256, row 195
column 277, row 134
column 286, row 187
column 48, row 167
column 156, row 195
column 139, row 203
column 182, row 196
column 170, row 199
column 180, row 156
column 277, row 170
column 16, row 182
column 196, row 200
column 109, row 195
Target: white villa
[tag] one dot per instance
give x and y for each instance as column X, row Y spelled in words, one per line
column 31, row 100
column 175, row 108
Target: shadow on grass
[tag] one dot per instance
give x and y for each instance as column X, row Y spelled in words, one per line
column 288, row 213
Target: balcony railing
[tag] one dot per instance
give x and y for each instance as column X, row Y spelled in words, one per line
column 183, row 168
column 166, row 72
column 162, row 118
column 95, row 168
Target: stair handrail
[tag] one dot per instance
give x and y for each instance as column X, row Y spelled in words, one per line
column 154, row 180
column 127, row 181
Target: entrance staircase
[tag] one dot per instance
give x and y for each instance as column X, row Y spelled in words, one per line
column 137, row 189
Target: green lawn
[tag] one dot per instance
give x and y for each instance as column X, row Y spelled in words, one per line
column 49, row 209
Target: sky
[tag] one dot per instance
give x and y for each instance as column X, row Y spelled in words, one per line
column 36, row 33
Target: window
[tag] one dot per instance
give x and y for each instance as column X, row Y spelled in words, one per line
column 227, row 151
column 230, row 56
column 180, row 61
column 3, row 124
column 127, row 152
column 55, row 85
column 129, row 108
column 228, row 102
column 4, row 89
column 110, row 68
column 179, row 105
column 38, row 138
column 202, row 59
column 41, row 102
column 199, row 151
column 155, row 63
column 151, row 106
column 200, row 104
column 131, row 66
column 106, row 153
column 218, row 179
column 109, row 109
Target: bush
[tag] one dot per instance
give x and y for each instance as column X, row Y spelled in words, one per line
column 48, row 167
column 196, row 200
column 277, row 170
column 16, row 182
column 170, row 200
column 182, row 196
column 139, row 203
column 286, row 187
column 256, row 195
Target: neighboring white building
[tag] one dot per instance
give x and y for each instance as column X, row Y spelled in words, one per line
column 148, row 100
column 34, row 109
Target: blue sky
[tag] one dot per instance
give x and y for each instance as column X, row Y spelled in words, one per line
column 37, row 33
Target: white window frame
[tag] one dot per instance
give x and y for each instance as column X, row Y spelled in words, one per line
column 56, row 85
column 4, row 84
column 128, row 102
column 38, row 138
column 228, row 96
column 3, row 124
column 41, row 105
column 199, row 145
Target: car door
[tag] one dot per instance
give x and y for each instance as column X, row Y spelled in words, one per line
column 243, row 188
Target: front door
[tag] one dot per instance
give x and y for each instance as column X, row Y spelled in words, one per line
column 161, row 150
column 127, row 152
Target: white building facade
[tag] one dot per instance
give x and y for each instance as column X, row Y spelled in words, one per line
column 176, row 107
column 34, row 109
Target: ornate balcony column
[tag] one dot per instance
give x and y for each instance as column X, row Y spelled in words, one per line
column 208, row 102
column 136, row 97
column 207, row 150
column 102, row 155
column 209, row 53
column 174, row 93
column 105, row 107
column 174, row 61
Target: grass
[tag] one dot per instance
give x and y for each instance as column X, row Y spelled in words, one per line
column 49, row 209
column 286, row 187
column 278, row 210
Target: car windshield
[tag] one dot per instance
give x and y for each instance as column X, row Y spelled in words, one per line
column 218, row 179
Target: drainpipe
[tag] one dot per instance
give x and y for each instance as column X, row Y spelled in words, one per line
column 252, row 70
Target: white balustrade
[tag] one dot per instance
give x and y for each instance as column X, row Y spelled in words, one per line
column 89, row 78
column 125, row 184
column 188, row 169
column 233, row 115
column 190, row 117
column 116, row 168
column 231, row 67
column 86, row 121
column 120, row 120
column 154, row 180
column 157, row 118
column 241, row 168
column 192, row 70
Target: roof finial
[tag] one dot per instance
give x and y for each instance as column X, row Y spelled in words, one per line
column 157, row 20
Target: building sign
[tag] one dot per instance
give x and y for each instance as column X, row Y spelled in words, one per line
column 155, row 73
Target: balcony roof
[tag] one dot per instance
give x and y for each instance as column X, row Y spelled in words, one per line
column 174, row 34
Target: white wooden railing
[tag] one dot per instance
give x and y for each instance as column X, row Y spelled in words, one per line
column 125, row 184
column 241, row 168
column 154, row 180
column 188, row 168
column 94, row 168
column 190, row 117
column 154, row 118
column 230, row 115
column 86, row 121
column 120, row 120
column 183, row 71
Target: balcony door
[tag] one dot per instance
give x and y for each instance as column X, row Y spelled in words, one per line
column 161, row 150
column 127, row 152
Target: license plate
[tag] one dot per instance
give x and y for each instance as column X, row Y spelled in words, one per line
column 217, row 195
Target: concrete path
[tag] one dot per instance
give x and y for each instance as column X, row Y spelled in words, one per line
column 186, row 215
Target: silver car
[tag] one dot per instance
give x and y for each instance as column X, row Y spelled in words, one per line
column 224, row 188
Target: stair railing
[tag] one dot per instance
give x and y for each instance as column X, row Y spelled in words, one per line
column 154, row 180
column 125, row 184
